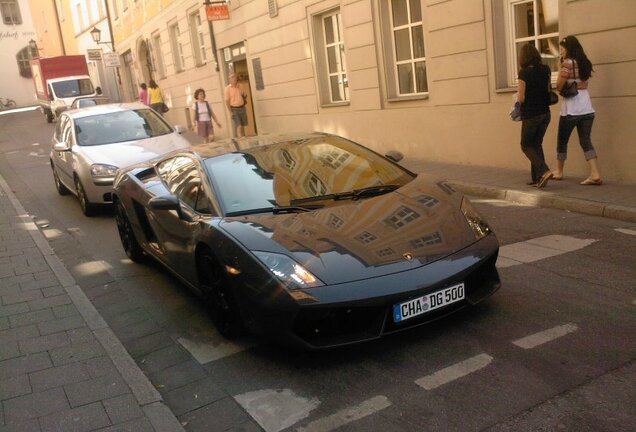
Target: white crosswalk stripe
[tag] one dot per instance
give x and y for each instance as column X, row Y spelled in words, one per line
column 539, row 248
column 454, row 372
column 545, row 336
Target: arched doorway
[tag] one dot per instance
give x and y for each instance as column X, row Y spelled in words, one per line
column 145, row 60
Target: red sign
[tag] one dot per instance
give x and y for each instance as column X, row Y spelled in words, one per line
column 217, row 12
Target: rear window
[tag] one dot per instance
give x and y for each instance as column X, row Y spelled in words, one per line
column 119, row 126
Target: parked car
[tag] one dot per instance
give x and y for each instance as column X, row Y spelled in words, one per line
column 89, row 145
column 309, row 238
column 85, row 102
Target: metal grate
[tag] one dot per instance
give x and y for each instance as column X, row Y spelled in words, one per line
column 273, row 8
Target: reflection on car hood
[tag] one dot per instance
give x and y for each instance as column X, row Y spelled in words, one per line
column 132, row 152
column 352, row 240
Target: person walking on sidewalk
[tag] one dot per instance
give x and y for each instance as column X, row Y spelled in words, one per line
column 533, row 94
column 202, row 116
column 155, row 97
column 576, row 111
column 143, row 94
column 235, row 99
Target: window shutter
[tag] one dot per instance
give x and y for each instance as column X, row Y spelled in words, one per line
column 273, row 8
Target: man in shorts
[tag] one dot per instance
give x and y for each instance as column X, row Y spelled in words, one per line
column 235, row 99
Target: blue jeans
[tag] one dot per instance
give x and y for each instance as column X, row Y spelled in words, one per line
column 583, row 124
column 532, row 133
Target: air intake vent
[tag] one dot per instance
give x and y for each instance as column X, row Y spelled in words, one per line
column 273, row 8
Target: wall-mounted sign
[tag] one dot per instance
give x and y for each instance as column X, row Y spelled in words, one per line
column 217, row 12
column 111, row 59
column 94, row 54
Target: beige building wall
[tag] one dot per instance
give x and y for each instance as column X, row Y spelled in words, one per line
column 45, row 21
column 67, row 27
column 462, row 118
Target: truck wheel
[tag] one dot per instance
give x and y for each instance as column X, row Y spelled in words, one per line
column 49, row 116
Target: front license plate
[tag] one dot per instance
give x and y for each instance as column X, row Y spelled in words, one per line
column 427, row 303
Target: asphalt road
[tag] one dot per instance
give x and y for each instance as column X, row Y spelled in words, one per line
column 553, row 350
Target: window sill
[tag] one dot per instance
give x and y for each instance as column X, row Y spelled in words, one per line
column 335, row 104
column 407, row 98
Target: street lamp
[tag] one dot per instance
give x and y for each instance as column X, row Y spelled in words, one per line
column 33, row 46
column 96, row 34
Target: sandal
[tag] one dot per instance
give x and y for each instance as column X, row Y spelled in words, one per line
column 556, row 177
column 544, row 179
column 591, row 182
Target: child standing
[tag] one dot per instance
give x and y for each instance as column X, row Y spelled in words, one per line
column 202, row 116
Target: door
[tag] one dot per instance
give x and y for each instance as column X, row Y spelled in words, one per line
column 63, row 160
column 240, row 68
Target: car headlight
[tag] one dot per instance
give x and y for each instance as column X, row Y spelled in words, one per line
column 288, row 271
column 102, row 170
column 476, row 221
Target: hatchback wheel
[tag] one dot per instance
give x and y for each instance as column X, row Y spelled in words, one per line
column 87, row 207
column 217, row 293
column 127, row 235
column 61, row 189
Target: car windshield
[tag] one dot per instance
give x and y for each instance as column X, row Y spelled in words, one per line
column 73, row 88
column 119, row 126
column 321, row 170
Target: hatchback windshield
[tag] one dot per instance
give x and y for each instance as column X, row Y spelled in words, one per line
column 318, row 170
column 119, row 126
column 73, row 88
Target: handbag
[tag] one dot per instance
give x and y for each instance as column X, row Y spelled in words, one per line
column 554, row 98
column 515, row 110
column 569, row 88
column 164, row 108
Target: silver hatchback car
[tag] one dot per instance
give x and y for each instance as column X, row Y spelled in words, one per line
column 91, row 144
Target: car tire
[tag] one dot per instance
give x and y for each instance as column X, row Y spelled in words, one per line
column 49, row 117
column 61, row 189
column 216, row 291
column 127, row 235
column 87, row 208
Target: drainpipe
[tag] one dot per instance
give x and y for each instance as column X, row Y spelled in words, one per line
column 59, row 27
column 212, row 38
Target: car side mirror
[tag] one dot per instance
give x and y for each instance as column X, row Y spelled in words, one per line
column 179, row 129
column 165, row 202
column 394, row 155
column 61, row 146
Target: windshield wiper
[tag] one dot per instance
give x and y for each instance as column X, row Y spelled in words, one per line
column 274, row 210
column 366, row 192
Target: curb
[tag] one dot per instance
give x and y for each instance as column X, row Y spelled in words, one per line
column 547, row 200
column 160, row 416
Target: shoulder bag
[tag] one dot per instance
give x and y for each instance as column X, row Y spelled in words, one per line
column 569, row 88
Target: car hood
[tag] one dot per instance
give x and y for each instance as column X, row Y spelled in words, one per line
column 352, row 240
column 133, row 152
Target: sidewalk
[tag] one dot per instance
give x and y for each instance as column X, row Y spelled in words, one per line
column 61, row 366
column 611, row 200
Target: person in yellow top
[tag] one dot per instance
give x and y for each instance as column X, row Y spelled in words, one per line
column 155, row 97
column 235, row 99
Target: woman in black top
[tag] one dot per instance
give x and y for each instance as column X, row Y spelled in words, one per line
column 533, row 94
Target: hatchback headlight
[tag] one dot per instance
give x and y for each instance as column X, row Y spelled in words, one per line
column 476, row 221
column 103, row 170
column 288, row 271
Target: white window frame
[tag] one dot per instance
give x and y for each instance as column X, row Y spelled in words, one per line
column 158, row 54
column 321, row 49
column 197, row 38
column 510, row 32
column 10, row 10
column 413, row 60
column 177, row 48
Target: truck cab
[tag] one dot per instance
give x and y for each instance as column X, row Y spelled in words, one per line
column 63, row 91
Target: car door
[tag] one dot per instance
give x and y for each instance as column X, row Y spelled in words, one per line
column 178, row 231
column 63, row 160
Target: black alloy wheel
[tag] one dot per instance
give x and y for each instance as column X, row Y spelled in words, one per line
column 127, row 235
column 217, row 294
column 61, row 189
column 87, row 208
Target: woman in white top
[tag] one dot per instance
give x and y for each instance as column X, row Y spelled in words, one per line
column 576, row 111
column 202, row 116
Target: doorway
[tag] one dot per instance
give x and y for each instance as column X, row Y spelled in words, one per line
column 235, row 61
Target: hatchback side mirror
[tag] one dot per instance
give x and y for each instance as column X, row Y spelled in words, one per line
column 179, row 129
column 61, row 146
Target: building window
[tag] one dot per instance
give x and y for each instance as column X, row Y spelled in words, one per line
column 385, row 252
column 288, row 160
column 314, row 186
column 427, row 200
column 331, row 58
column 23, row 57
column 427, row 240
column 402, row 217
column 10, row 12
column 177, row 48
column 522, row 22
column 198, row 40
column 365, row 237
column 157, row 55
column 335, row 222
column 335, row 158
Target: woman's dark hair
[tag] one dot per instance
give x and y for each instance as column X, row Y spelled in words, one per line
column 529, row 56
column 197, row 91
column 152, row 84
column 143, row 86
column 574, row 51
